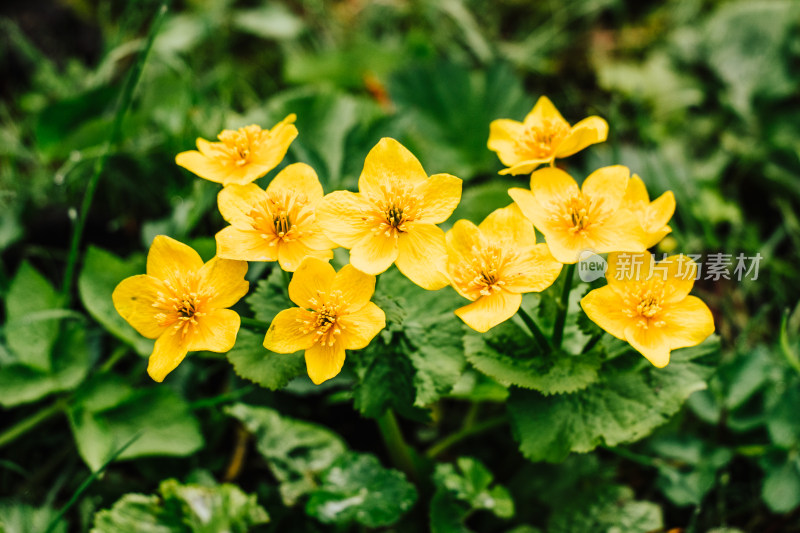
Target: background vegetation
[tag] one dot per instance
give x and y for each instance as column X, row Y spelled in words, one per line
column 702, row 98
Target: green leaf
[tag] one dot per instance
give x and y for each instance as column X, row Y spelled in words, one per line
column 480, row 199
column 20, row 518
column 252, row 361
column 20, row 383
column 101, row 273
column 783, row 423
column 781, row 490
column 356, row 488
column 463, row 490
column 507, row 354
column 270, row 297
column 271, row 21
column 106, row 413
column 30, row 293
column 448, row 110
column 296, row 451
column 182, row 508
column 630, row 399
column 608, row 510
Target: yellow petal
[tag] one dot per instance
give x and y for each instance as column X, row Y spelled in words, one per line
column 525, row 167
column 545, row 111
column 287, row 333
column 244, row 245
column 273, row 147
column 356, row 287
column 534, row 270
column 373, row 254
column 235, row 202
column 422, row 255
column 311, row 278
column 503, row 137
column 679, row 272
column 171, row 261
column 362, row 326
column 687, row 323
column 343, row 217
column 605, row 308
column 134, row 298
column 389, row 160
column 528, row 205
column 215, row 331
column 588, row 131
column 292, row 253
column 461, row 239
column 168, row 352
column 205, row 167
column 297, row 179
column 488, row 311
column 324, row 362
column 552, row 188
column 660, row 211
column 636, row 196
column 654, row 237
column 566, row 247
column 606, row 188
column 625, row 268
column 225, row 278
column 652, row 342
column 508, row 225
column 622, row 232
column 441, row 194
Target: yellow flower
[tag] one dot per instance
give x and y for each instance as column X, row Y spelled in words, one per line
column 494, row 264
column 589, row 218
column 182, row 303
column 648, row 304
column 276, row 224
column 393, row 217
column 652, row 216
column 542, row 137
column 335, row 315
column 242, row 155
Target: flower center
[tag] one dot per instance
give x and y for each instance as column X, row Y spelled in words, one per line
column 485, row 274
column 240, row 143
column 577, row 215
column 323, row 318
column 397, row 204
column 280, row 217
column 183, row 304
column 648, row 306
column 540, row 141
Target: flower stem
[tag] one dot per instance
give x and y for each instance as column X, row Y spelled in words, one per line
column 124, row 102
column 399, row 451
column 454, row 438
column 254, row 323
column 591, row 343
column 541, row 338
column 561, row 318
column 22, row 427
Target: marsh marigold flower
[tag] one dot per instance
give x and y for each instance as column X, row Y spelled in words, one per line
column 242, row 155
column 541, row 138
column 393, row 217
column 574, row 219
column 182, row 303
column 276, row 224
column 647, row 304
column 652, row 216
column 494, row 264
column 335, row 315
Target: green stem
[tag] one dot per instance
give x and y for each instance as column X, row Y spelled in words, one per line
column 788, row 352
column 454, row 438
column 114, row 358
column 287, row 278
column 399, row 451
column 592, row 342
column 561, row 318
column 24, row 426
column 541, row 338
column 254, row 323
column 124, row 102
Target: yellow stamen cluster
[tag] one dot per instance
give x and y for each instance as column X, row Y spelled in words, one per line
column 539, row 141
column 323, row 318
column 276, row 219
column 397, row 204
column 240, row 143
column 645, row 303
column 485, row 273
column 183, row 304
column 577, row 214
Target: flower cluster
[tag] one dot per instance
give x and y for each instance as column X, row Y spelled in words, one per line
column 394, row 219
